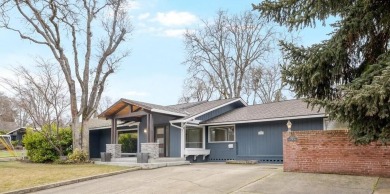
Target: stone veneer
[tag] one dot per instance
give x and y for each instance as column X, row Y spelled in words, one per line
column 150, row 148
column 114, row 149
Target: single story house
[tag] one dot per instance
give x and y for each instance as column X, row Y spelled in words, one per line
column 17, row 134
column 219, row 130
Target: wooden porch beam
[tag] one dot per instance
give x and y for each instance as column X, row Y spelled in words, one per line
column 132, row 114
column 151, row 129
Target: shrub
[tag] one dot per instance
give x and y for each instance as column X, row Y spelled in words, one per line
column 129, row 142
column 15, row 143
column 39, row 148
column 78, row 156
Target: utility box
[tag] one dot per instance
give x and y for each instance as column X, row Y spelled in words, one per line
column 142, row 157
column 105, row 157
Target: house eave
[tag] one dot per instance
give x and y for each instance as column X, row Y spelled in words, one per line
column 167, row 112
column 207, row 111
column 265, row 120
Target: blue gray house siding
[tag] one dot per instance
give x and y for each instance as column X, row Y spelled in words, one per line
column 219, row 111
column 175, row 141
column 98, row 140
column 250, row 145
column 142, row 136
column 173, row 148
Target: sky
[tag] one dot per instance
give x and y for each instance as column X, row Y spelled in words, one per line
column 154, row 71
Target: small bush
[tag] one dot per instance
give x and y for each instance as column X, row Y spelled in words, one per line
column 78, row 156
column 129, row 142
column 40, row 150
column 15, row 143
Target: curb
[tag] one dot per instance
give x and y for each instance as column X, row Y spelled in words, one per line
column 63, row 183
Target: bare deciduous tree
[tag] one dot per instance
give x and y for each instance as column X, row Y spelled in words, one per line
column 263, row 84
column 42, row 95
column 196, row 89
column 104, row 104
column 223, row 52
column 7, row 110
column 70, row 29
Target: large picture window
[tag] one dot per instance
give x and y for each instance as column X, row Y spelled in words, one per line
column 194, row 137
column 222, row 134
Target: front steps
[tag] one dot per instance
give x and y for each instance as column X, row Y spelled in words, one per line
column 152, row 163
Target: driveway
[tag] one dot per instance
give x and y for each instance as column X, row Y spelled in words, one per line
column 223, row 178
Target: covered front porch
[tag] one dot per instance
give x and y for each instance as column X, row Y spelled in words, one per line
column 150, row 126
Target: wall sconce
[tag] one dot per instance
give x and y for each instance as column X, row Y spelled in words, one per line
column 289, row 124
column 145, row 130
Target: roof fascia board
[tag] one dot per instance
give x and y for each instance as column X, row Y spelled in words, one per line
column 167, row 112
column 265, row 120
column 215, row 108
column 120, row 125
column 15, row 130
column 104, row 112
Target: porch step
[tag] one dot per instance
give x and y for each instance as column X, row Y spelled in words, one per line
column 145, row 165
column 158, row 160
column 162, row 164
column 129, row 160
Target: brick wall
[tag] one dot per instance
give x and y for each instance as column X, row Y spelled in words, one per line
column 332, row 152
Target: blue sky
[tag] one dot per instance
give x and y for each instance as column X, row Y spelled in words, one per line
column 153, row 72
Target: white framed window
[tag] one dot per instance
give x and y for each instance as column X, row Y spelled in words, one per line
column 194, row 137
column 226, row 133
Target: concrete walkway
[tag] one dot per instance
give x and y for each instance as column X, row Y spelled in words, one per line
column 223, row 178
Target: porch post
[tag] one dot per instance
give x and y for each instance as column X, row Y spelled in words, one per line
column 151, row 125
column 182, row 142
column 147, row 128
column 113, row 130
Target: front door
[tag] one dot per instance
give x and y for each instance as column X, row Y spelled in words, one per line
column 160, row 139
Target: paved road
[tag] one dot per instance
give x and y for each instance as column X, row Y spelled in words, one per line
column 222, row 178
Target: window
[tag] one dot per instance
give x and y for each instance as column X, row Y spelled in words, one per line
column 194, row 137
column 221, row 134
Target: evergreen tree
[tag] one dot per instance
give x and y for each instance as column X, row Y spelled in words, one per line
column 349, row 74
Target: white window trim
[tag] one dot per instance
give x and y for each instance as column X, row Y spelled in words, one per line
column 209, row 134
column 203, row 138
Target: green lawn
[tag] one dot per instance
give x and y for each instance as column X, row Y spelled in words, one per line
column 6, row 154
column 17, row 175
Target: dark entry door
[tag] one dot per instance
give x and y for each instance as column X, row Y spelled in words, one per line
column 160, row 139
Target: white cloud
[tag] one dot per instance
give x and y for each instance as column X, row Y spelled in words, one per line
column 143, row 16
column 174, row 32
column 174, row 18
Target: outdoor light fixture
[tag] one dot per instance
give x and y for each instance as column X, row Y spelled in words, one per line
column 145, row 131
column 289, row 124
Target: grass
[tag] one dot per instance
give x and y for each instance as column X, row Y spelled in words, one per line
column 17, row 175
column 6, row 154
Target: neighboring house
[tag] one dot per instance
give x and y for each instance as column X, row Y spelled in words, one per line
column 17, row 134
column 217, row 130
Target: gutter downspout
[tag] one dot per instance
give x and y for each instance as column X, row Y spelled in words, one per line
column 182, row 139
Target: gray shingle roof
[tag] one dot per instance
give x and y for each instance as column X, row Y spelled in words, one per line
column 154, row 106
column 186, row 105
column 284, row 109
column 95, row 123
column 187, row 109
column 195, row 110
